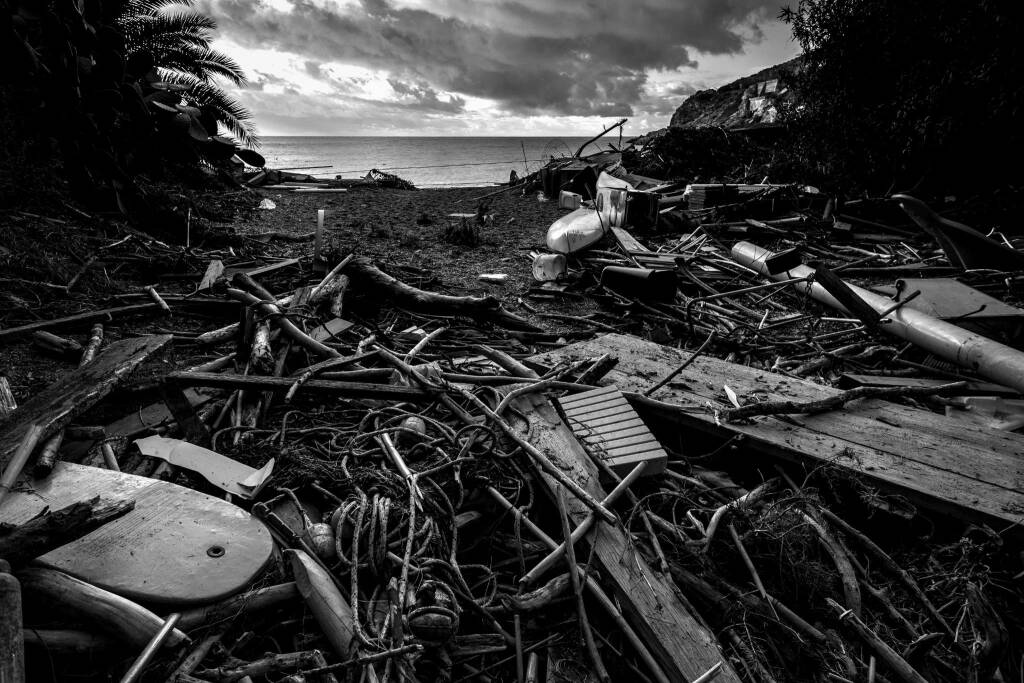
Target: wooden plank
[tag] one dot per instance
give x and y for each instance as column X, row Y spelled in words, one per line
column 101, row 316
column 649, row 600
column 76, row 392
column 213, row 272
column 283, row 384
column 330, row 329
column 630, row 243
column 972, row 472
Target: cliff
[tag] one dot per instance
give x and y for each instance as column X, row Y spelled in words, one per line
column 749, row 101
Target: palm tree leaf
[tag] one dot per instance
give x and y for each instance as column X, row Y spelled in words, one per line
column 204, row 64
column 163, row 31
column 131, row 7
column 230, row 112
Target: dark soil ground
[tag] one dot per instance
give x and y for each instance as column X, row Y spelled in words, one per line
column 49, row 243
column 407, row 228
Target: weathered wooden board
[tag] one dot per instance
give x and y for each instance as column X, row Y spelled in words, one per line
column 77, row 391
column 649, row 600
column 176, row 546
column 972, row 472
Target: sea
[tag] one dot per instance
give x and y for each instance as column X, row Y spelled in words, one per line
column 424, row 161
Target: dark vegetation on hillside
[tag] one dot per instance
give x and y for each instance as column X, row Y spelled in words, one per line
column 103, row 101
column 914, row 96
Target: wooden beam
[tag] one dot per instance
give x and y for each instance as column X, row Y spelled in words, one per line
column 54, row 407
column 192, row 428
column 649, row 600
column 283, row 384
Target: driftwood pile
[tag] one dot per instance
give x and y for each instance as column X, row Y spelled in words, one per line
column 420, row 520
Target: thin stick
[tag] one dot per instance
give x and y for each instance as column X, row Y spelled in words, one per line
column 899, row 666
column 520, row 665
column 522, row 391
column 195, row 657
column 645, row 514
column 709, row 675
column 668, row 378
column 749, row 498
column 595, row 589
column 889, row 564
column 749, row 563
column 584, row 527
column 847, row 576
column 422, row 343
column 574, row 578
column 158, row 300
column 365, row 659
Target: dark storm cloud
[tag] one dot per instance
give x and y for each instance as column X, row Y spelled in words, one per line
column 259, row 80
column 422, row 96
column 587, row 57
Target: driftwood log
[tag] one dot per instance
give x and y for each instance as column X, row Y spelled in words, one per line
column 57, row 346
column 118, row 617
column 67, row 643
column 370, row 280
column 23, row 543
column 12, row 644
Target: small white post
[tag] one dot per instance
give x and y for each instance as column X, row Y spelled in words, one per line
column 318, row 241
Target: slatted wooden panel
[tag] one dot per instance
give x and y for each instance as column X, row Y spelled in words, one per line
column 604, row 421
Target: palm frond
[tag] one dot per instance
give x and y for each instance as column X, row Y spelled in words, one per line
column 153, row 32
column 135, row 7
column 203, row 63
column 230, row 112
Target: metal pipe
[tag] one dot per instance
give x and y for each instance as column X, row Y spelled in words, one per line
column 151, row 648
column 990, row 359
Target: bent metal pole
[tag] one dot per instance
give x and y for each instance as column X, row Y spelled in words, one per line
column 990, row 359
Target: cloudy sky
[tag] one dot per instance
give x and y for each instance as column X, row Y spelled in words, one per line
column 487, row 67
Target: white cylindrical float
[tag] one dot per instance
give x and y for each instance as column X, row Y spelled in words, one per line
column 990, row 359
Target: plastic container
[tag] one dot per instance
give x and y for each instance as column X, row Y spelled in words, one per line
column 569, row 200
column 549, row 267
column 576, row 231
column 611, row 202
column 641, row 283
